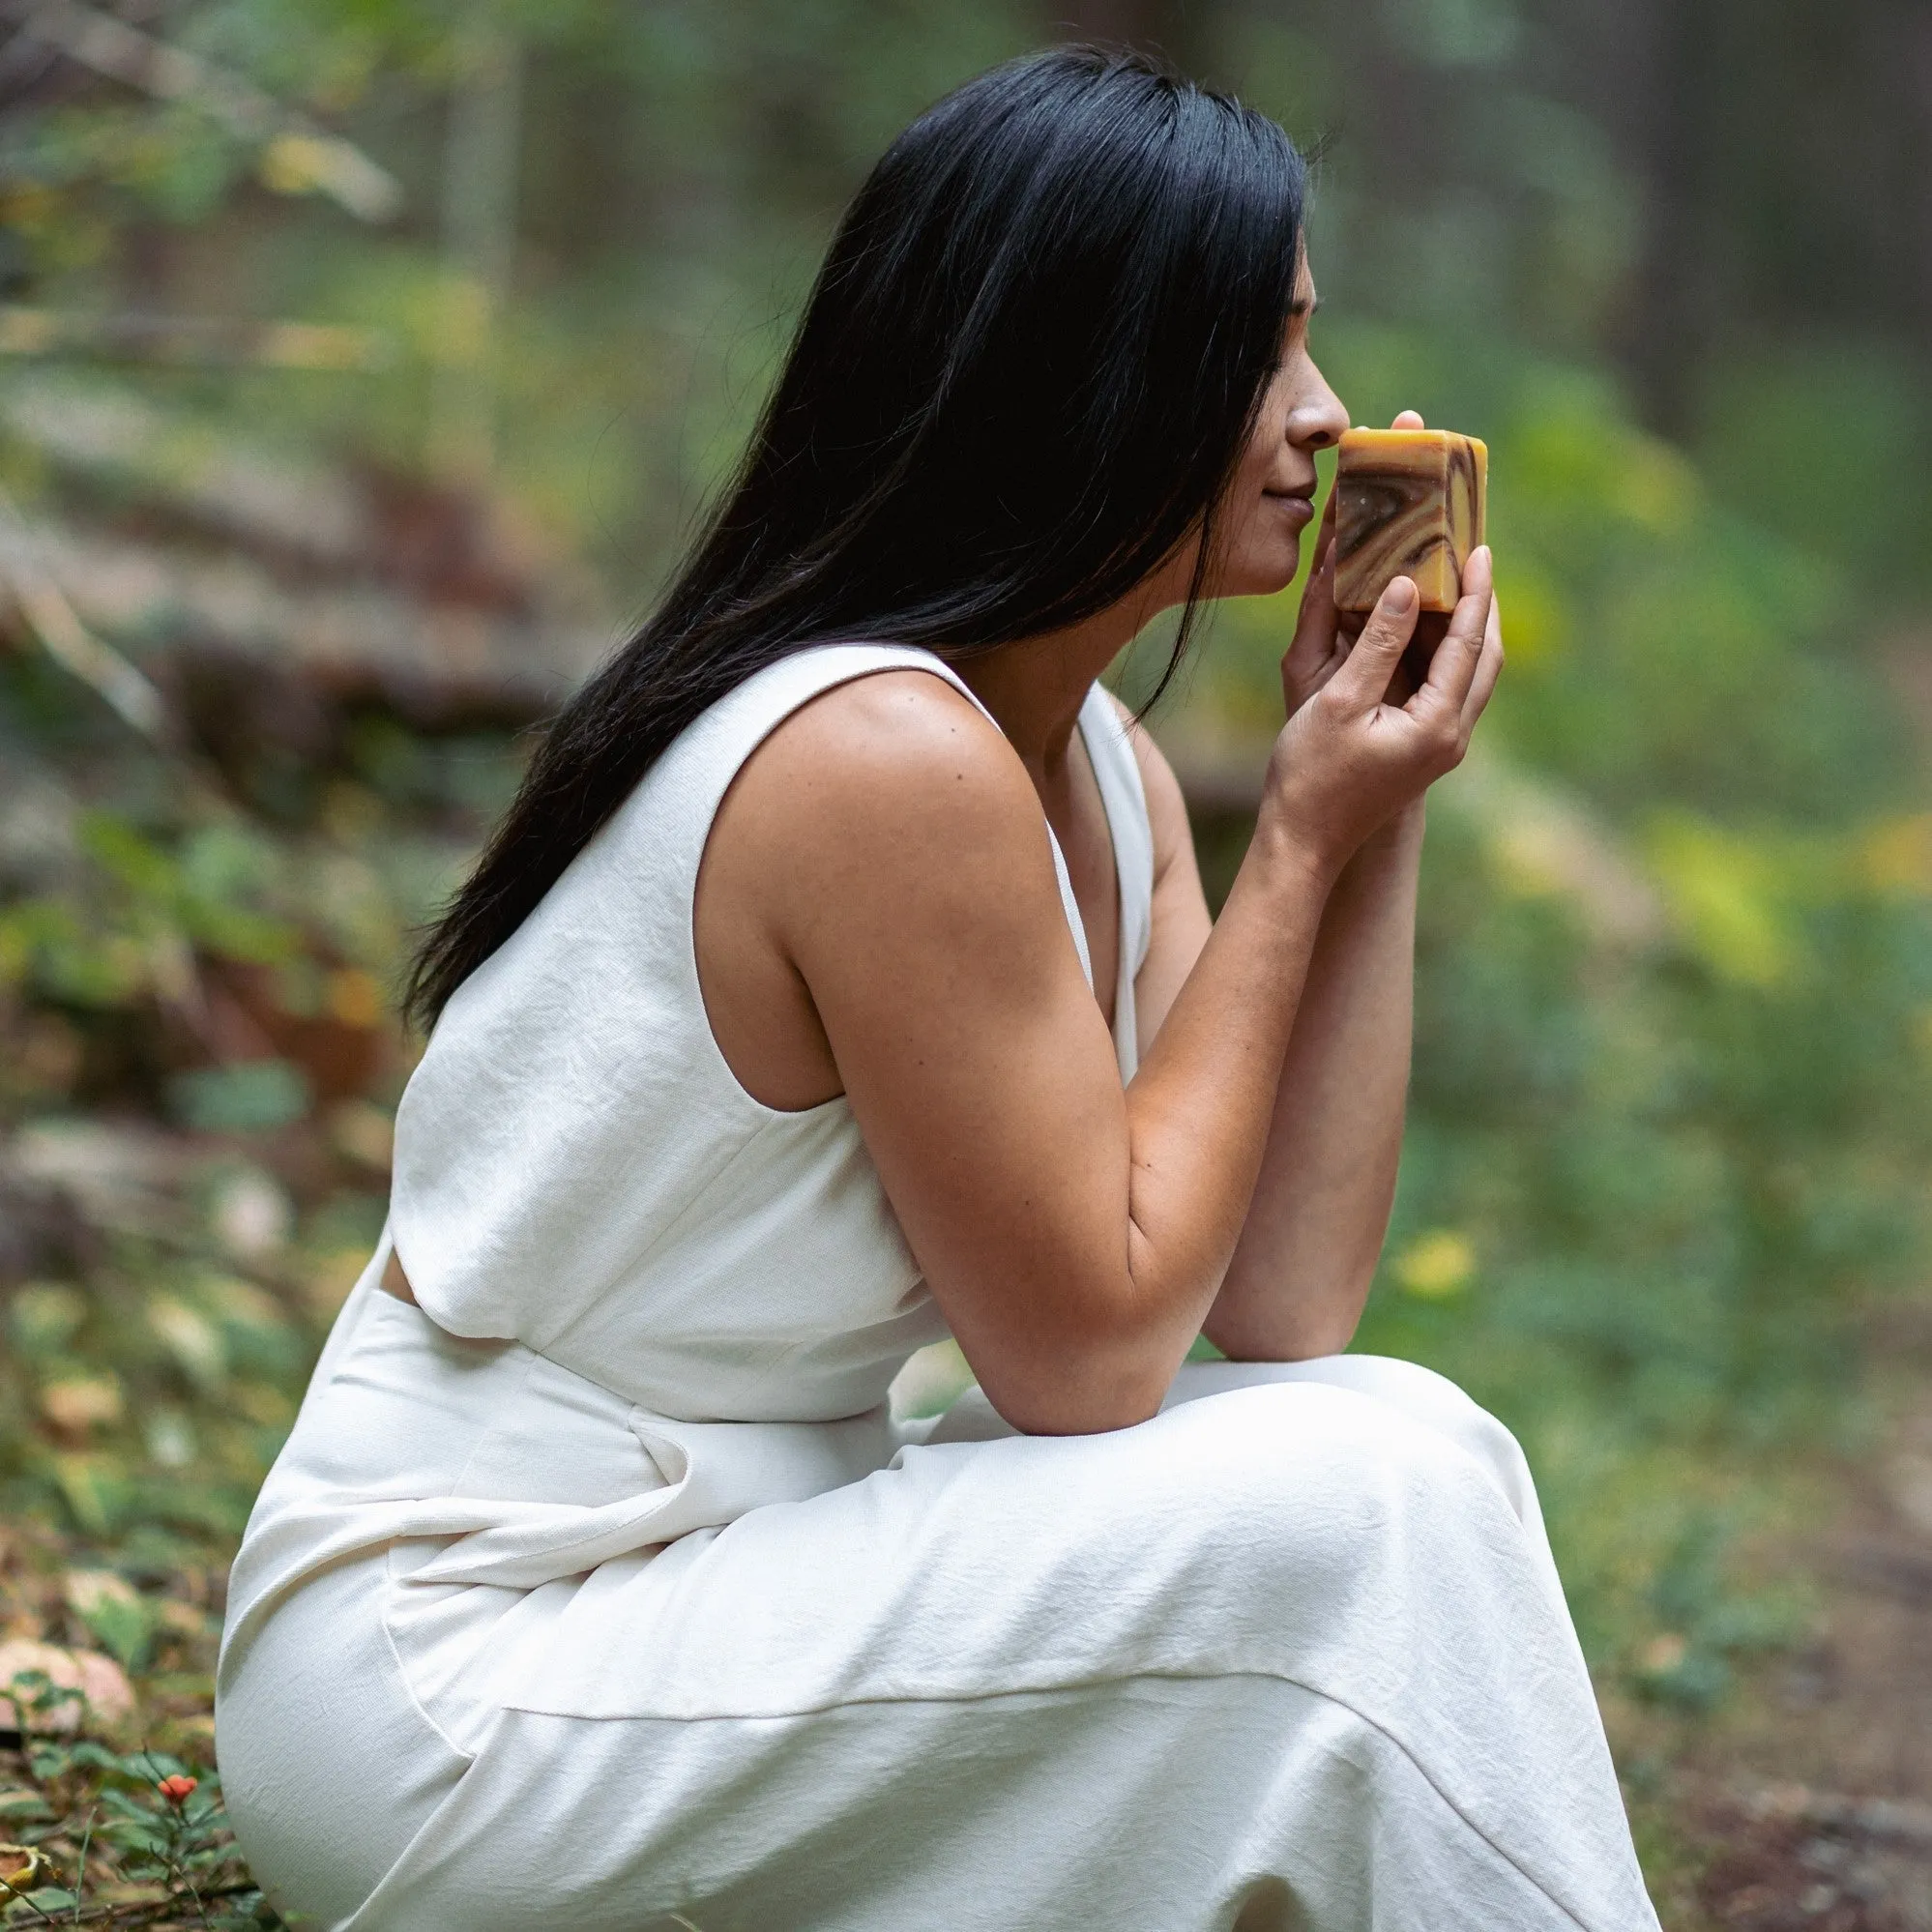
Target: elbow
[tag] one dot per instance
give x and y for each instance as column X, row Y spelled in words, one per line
column 1097, row 1356
column 1312, row 1320
column 1079, row 1394
column 1080, row 1419
column 1309, row 1343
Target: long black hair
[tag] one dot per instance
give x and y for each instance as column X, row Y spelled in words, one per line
column 1023, row 380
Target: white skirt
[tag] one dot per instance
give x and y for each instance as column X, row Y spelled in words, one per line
column 1293, row 1654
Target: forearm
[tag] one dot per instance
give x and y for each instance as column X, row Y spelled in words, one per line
column 1306, row 1254
column 1118, row 1231
column 1200, row 1110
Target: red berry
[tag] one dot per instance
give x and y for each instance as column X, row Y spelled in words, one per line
column 176, row 1788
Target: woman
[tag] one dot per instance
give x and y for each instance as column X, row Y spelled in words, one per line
column 841, row 978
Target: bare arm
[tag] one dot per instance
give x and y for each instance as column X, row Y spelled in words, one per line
column 1308, row 1251
column 1303, row 1268
column 1314, row 1227
column 1314, row 1231
column 1074, row 1234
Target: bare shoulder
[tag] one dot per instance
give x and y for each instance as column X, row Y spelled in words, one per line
column 901, row 742
column 872, row 858
column 887, row 721
column 890, row 790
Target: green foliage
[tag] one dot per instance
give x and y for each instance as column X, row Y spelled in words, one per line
column 138, row 1833
column 1818, row 441
column 1668, row 1140
column 252, row 1098
column 1667, row 1134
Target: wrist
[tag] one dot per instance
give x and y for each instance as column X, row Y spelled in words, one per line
column 1387, row 866
column 1400, row 837
column 1293, row 853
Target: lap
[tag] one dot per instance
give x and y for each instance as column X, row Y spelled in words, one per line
column 1418, row 1395
column 1276, row 1527
column 1303, row 1606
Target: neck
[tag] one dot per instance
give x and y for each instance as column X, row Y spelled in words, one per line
column 1035, row 687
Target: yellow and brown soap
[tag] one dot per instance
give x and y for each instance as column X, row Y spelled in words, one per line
column 1409, row 503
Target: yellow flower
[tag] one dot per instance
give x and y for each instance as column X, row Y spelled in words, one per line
column 1436, row 1265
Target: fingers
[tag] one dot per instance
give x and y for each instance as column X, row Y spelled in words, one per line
column 1315, row 620
column 1409, row 418
column 1312, row 653
column 1364, row 681
column 1488, row 668
column 1320, row 587
column 1453, row 669
column 1325, row 540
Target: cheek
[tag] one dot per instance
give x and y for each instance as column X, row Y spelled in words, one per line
column 1284, row 395
column 1258, row 464
column 1263, row 551
column 1260, row 545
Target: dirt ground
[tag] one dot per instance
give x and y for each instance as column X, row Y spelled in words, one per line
column 1808, row 1805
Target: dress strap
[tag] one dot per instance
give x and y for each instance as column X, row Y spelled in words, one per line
column 1117, row 771
column 783, row 688
column 927, row 660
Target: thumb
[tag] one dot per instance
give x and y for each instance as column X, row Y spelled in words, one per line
column 1364, row 679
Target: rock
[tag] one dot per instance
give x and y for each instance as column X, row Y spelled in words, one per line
column 102, row 1682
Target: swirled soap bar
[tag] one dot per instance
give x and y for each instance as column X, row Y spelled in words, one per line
column 1409, row 503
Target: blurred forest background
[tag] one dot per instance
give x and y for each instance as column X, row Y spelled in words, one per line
column 362, row 364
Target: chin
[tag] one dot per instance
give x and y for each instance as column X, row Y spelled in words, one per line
column 1260, row 575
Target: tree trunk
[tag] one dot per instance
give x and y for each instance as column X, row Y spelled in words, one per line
column 1668, row 333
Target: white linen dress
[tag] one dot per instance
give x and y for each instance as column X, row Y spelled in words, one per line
column 602, row 1591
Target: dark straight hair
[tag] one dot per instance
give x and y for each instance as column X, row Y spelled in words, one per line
column 1023, row 379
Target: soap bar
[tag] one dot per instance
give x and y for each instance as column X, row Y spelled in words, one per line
column 1409, row 503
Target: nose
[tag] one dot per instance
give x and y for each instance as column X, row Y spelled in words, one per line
column 1318, row 419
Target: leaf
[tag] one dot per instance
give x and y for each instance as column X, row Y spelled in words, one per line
column 94, row 1489
column 253, row 1096
column 133, row 860
column 191, row 1338
column 110, row 1606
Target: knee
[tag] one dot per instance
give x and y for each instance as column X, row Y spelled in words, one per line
column 1407, row 1384
column 1419, row 1472
column 1395, row 1469
column 1337, row 1455
column 1433, row 1400
column 1307, row 1481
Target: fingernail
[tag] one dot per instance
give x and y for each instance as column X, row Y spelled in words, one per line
column 1400, row 594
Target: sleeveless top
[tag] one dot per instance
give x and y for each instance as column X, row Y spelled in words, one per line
column 578, row 1168
column 647, row 1301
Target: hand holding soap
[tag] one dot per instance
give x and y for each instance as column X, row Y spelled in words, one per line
column 1408, row 502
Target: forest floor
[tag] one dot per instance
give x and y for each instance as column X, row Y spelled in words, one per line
column 1806, row 1800
column 1802, row 1800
